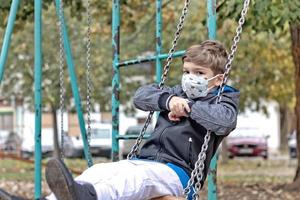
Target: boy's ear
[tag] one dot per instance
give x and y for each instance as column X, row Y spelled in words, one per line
column 219, row 79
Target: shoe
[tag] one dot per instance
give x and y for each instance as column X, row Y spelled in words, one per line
column 62, row 184
column 6, row 196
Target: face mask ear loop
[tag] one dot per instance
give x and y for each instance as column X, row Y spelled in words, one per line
column 208, row 89
column 213, row 77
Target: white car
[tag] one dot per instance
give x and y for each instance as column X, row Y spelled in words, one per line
column 134, row 131
column 292, row 143
column 101, row 139
column 28, row 141
column 100, row 142
column 73, row 147
column 9, row 141
column 3, row 137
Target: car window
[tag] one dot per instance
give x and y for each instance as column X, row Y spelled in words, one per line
column 100, row 133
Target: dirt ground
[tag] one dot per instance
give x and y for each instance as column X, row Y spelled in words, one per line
column 239, row 179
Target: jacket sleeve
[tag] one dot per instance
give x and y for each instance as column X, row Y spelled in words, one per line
column 152, row 98
column 220, row 118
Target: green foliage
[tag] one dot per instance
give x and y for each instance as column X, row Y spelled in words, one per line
column 263, row 68
column 263, row 15
column 264, row 50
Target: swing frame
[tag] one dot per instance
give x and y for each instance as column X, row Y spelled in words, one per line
column 211, row 6
column 158, row 57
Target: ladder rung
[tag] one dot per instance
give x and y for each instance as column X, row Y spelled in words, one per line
column 150, row 58
column 130, row 137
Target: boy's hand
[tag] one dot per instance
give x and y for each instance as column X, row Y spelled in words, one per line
column 173, row 117
column 179, row 107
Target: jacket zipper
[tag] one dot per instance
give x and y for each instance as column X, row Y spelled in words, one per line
column 160, row 145
column 190, row 152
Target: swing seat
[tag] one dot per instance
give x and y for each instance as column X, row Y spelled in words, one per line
column 169, row 198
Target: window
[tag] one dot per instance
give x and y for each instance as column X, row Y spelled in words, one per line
column 6, row 121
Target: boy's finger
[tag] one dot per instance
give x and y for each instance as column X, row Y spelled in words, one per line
column 174, row 118
column 186, row 107
column 178, row 109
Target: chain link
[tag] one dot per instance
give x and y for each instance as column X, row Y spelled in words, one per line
column 88, row 78
column 138, row 141
column 61, row 78
column 61, row 74
column 175, row 41
column 197, row 173
column 233, row 48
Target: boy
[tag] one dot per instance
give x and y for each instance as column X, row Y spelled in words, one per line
column 166, row 160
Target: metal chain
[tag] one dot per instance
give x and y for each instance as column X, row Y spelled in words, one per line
column 197, row 173
column 88, row 78
column 233, row 48
column 61, row 77
column 198, row 170
column 174, row 43
column 184, row 13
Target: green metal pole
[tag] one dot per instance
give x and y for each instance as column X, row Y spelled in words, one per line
column 70, row 64
column 150, row 58
column 212, row 19
column 116, row 78
column 158, row 39
column 7, row 36
column 212, row 29
column 38, row 96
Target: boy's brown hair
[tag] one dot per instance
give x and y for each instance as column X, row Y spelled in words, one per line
column 210, row 53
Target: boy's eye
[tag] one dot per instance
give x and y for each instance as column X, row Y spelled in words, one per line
column 185, row 72
column 199, row 73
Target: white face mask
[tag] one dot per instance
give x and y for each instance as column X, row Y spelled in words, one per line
column 195, row 86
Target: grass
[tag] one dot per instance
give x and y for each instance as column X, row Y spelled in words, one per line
column 246, row 179
column 257, row 171
column 235, row 171
column 15, row 170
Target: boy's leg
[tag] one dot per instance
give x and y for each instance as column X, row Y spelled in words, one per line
column 62, row 184
column 136, row 179
column 123, row 180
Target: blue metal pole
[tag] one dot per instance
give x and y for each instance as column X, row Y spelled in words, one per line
column 7, row 36
column 212, row 29
column 158, row 39
column 116, row 78
column 212, row 19
column 70, row 64
column 150, row 58
column 38, row 95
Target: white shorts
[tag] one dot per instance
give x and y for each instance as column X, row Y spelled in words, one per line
column 131, row 180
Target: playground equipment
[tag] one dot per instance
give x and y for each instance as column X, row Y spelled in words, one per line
column 64, row 45
column 38, row 80
column 197, row 173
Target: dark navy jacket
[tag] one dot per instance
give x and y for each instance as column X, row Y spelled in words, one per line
column 180, row 142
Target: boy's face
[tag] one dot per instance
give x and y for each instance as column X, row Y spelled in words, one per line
column 205, row 72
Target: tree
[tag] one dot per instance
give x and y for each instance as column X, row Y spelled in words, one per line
column 273, row 16
column 19, row 71
column 267, row 26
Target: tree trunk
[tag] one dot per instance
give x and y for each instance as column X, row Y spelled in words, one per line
column 287, row 125
column 224, row 152
column 56, row 152
column 295, row 35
